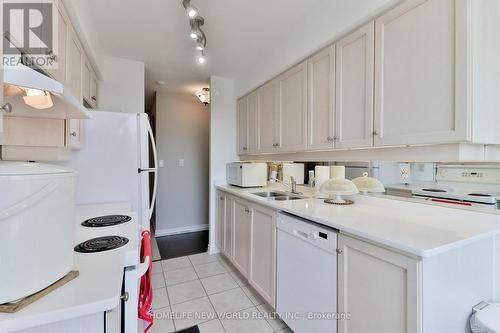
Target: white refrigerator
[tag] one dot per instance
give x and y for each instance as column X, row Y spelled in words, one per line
column 114, row 164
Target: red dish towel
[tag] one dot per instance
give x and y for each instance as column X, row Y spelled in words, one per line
column 146, row 289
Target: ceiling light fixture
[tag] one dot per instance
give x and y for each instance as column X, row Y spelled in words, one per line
column 191, row 10
column 202, row 59
column 196, row 22
column 204, row 96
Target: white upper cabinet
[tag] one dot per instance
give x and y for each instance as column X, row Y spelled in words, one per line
column 74, row 66
column 242, row 119
column 93, row 90
column 421, row 74
column 86, row 79
column 292, row 123
column 320, row 111
column 252, row 128
column 59, row 53
column 354, row 89
column 268, row 120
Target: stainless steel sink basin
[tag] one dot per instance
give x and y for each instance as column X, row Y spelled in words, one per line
column 278, row 196
column 270, row 194
column 286, row 198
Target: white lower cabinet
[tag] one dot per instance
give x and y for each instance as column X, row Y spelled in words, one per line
column 380, row 289
column 228, row 226
column 241, row 232
column 74, row 133
column 263, row 253
column 247, row 237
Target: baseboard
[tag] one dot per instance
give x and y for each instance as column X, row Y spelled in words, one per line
column 181, row 230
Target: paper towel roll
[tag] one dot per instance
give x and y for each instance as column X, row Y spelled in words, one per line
column 322, row 174
column 337, row 172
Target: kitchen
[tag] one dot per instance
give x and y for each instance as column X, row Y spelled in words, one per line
column 195, row 177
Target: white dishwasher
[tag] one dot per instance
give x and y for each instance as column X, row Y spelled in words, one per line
column 306, row 275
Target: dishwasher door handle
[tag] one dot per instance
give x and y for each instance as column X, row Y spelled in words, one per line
column 301, row 234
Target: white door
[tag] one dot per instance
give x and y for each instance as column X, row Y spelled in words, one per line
column 228, row 226
column 252, row 126
column 74, row 133
column 263, row 253
column 268, row 122
column 354, row 85
column 221, row 213
column 86, row 77
column 74, row 66
column 93, row 90
column 242, row 118
column 58, row 55
column 321, row 85
column 380, row 289
column 292, row 129
column 421, row 74
column 241, row 232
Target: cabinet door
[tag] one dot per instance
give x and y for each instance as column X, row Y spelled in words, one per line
column 379, row 288
column 93, row 90
column 228, row 226
column 74, row 133
column 242, row 118
column 58, row 55
column 74, row 66
column 268, row 104
column 263, row 253
column 86, row 76
column 253, row 130
column 241, row 232
column 420, row 73
column 321, row 85
column 221, row 214
column 293, row 109
column 354, row 97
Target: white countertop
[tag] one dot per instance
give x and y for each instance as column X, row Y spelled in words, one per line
column 414, row 228
column 99, row 285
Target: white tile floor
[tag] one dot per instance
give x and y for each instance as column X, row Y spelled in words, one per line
column 206, row 290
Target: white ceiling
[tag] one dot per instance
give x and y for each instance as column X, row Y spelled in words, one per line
column 249, row 40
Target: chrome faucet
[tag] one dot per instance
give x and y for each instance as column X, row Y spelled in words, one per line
column 292, row 187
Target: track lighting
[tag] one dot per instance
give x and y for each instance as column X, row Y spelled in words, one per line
column 191, row 10
column 202, row 59
column 196, row 22
column 200, row 46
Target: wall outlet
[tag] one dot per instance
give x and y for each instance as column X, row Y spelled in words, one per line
column 404, row 173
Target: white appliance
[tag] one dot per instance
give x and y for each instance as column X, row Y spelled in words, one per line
column 37, row 204
column 306, row 275
column 461, row 185
column 245, row 174
column 114, row 163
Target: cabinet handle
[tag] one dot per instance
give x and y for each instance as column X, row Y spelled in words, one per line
column 331, row 139
column 247, row 210
column 94, row 98
column 339, row 251
column 222, row 198
column 375, row 133
column 244, row 148
column 7, row 107
column 51, row 55
column 73, row 134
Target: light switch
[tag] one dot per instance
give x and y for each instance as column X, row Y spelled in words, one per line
column 181, row 162
column 161, row 163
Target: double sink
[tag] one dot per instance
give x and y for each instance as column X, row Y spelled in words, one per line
column 278, row 196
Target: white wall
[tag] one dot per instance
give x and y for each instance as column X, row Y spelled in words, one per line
column 222, row 138
column 182, row 133
column 122, row 89
column 316, row 29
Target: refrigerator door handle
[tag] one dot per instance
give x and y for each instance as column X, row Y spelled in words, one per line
column 154, row 170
